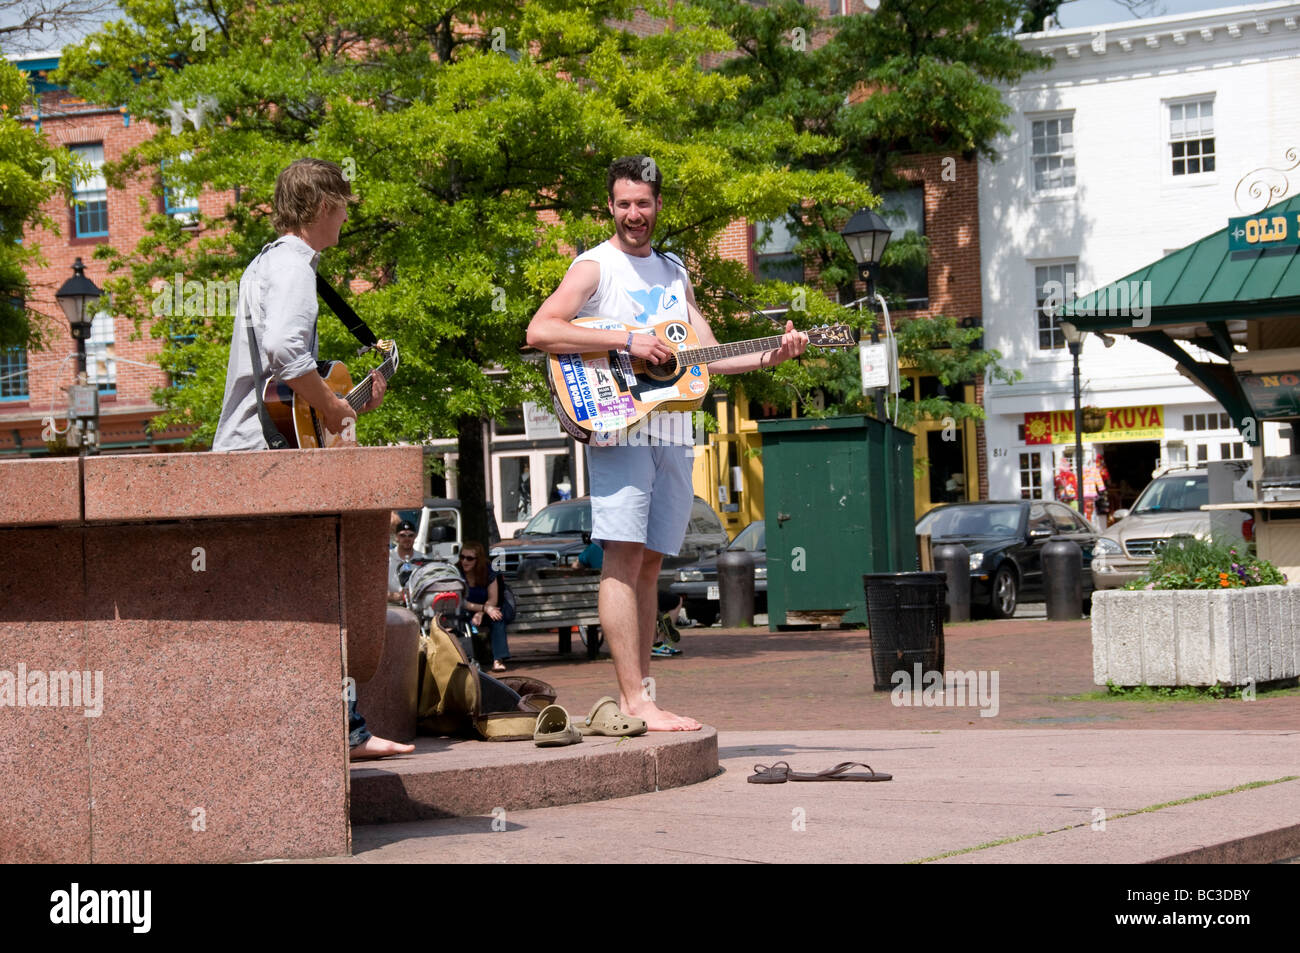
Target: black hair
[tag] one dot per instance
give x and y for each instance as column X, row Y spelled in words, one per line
column 636, row 168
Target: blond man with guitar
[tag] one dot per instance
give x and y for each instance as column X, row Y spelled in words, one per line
column 277, row 300
column 641, row 494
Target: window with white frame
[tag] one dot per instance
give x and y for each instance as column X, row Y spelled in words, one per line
column 90, row 193
column 177, row 202
column 101, row 367
column 774, row 256
column 1031, row 476
column 13, row 374
column 1053, row 286
column 1191, row 136
column 1052, row 152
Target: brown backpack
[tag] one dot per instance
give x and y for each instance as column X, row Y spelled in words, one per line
column 458, row 699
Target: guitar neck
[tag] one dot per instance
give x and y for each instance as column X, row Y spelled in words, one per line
column 360, row 395
column 706, row 355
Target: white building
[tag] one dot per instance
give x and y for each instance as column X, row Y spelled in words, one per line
column 1132, row 146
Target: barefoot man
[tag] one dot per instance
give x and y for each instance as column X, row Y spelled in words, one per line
column 277, row 295
column 640, row 495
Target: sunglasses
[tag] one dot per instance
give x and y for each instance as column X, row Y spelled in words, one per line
column 470, row 559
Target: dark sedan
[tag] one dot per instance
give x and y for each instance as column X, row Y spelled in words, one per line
column 697, row 583
column 1006, row 540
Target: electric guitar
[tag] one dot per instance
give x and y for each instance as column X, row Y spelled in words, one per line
column 600, row 393
column 300, row 424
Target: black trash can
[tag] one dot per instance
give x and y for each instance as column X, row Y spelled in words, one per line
column 905, row 616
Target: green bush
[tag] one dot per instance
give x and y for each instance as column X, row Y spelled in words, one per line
column 1187, row 563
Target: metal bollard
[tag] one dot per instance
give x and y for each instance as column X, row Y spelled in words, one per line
column 1063, row 579
column 953, row 559
column 736, row 588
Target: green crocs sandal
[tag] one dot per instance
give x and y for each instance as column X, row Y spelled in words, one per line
column 606, row 719
column 554, row 729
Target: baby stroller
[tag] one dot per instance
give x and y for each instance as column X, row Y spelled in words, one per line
column 426, row 584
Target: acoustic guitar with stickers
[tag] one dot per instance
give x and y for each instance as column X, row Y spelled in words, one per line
column 599, row 394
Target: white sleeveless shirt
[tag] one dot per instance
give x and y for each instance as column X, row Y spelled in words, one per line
column 641, row 291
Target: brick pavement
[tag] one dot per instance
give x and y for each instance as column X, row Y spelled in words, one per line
column 750, row 679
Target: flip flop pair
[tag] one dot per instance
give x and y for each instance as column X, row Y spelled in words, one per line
column 781, row 772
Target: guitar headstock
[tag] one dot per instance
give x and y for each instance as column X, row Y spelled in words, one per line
column 832, row 335
column 389, row 350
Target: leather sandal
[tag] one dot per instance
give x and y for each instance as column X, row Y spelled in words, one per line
column 841, row 773
column 606, row 719
column 777, row 773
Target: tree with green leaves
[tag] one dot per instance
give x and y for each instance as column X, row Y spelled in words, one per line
column 31, row 173
column 477, row 136
column 882, row 87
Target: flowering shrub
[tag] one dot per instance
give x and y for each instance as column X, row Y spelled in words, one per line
column 1187, row 563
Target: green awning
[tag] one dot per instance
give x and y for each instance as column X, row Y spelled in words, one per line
column 1203, row 282
column 1208, row 294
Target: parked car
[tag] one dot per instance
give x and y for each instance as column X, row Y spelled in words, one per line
column 697, row 582
column 1005, row 540
column 559, row 532
column 438, row 533
column 1169, row 506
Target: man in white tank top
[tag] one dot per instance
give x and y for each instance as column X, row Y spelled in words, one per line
column 641, row 495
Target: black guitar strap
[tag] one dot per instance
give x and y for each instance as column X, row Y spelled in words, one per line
column 351, row 320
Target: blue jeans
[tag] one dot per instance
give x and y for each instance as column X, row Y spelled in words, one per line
column 358, row 733
column 500, row 647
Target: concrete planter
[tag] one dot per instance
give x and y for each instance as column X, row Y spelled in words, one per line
column 1196, row 637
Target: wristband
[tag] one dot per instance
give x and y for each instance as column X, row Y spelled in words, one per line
column 628, row 346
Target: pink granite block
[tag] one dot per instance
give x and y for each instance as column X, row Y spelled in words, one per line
column 388, row 699
column 44, row 761
column 456, row 778
column 34, row 492
column 258, row 483
column 364, row 538
column 223, row 735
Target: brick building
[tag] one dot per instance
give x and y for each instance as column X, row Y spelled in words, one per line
column 120, row 360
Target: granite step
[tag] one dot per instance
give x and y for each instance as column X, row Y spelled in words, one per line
column 452, row 777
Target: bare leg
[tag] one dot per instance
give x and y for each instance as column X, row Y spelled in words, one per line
column 628, row 601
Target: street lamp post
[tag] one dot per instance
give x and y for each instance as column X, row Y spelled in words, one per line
column 867, row 234
column 1074, row 341
column 77, row 297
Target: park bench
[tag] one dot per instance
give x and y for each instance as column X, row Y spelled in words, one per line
column 559, row 599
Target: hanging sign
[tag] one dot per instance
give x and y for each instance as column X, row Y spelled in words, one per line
column 1250, row 232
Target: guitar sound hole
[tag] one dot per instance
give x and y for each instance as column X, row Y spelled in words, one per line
column 662, row 371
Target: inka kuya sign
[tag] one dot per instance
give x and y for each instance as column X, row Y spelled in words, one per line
column 1122, row 423
column 1251, row 232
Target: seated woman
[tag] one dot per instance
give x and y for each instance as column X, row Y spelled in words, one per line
column 483, row 598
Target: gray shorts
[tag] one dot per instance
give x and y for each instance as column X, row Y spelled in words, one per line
column 641, row 495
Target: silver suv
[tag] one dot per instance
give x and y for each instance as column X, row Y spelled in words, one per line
column 1169, row 506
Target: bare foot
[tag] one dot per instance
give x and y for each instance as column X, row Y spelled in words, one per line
column 374, row 747
column 657, row 719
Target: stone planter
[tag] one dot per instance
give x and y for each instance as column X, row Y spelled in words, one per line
column 1196, row 637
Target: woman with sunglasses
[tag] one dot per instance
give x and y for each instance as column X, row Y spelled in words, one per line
column 483, row 598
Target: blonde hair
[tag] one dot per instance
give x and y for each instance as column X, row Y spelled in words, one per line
column 301, row 189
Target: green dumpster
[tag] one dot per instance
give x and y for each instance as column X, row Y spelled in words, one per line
column 838, row 501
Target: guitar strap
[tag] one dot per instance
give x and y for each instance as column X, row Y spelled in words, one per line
column 351, row 320
column 274, row 439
